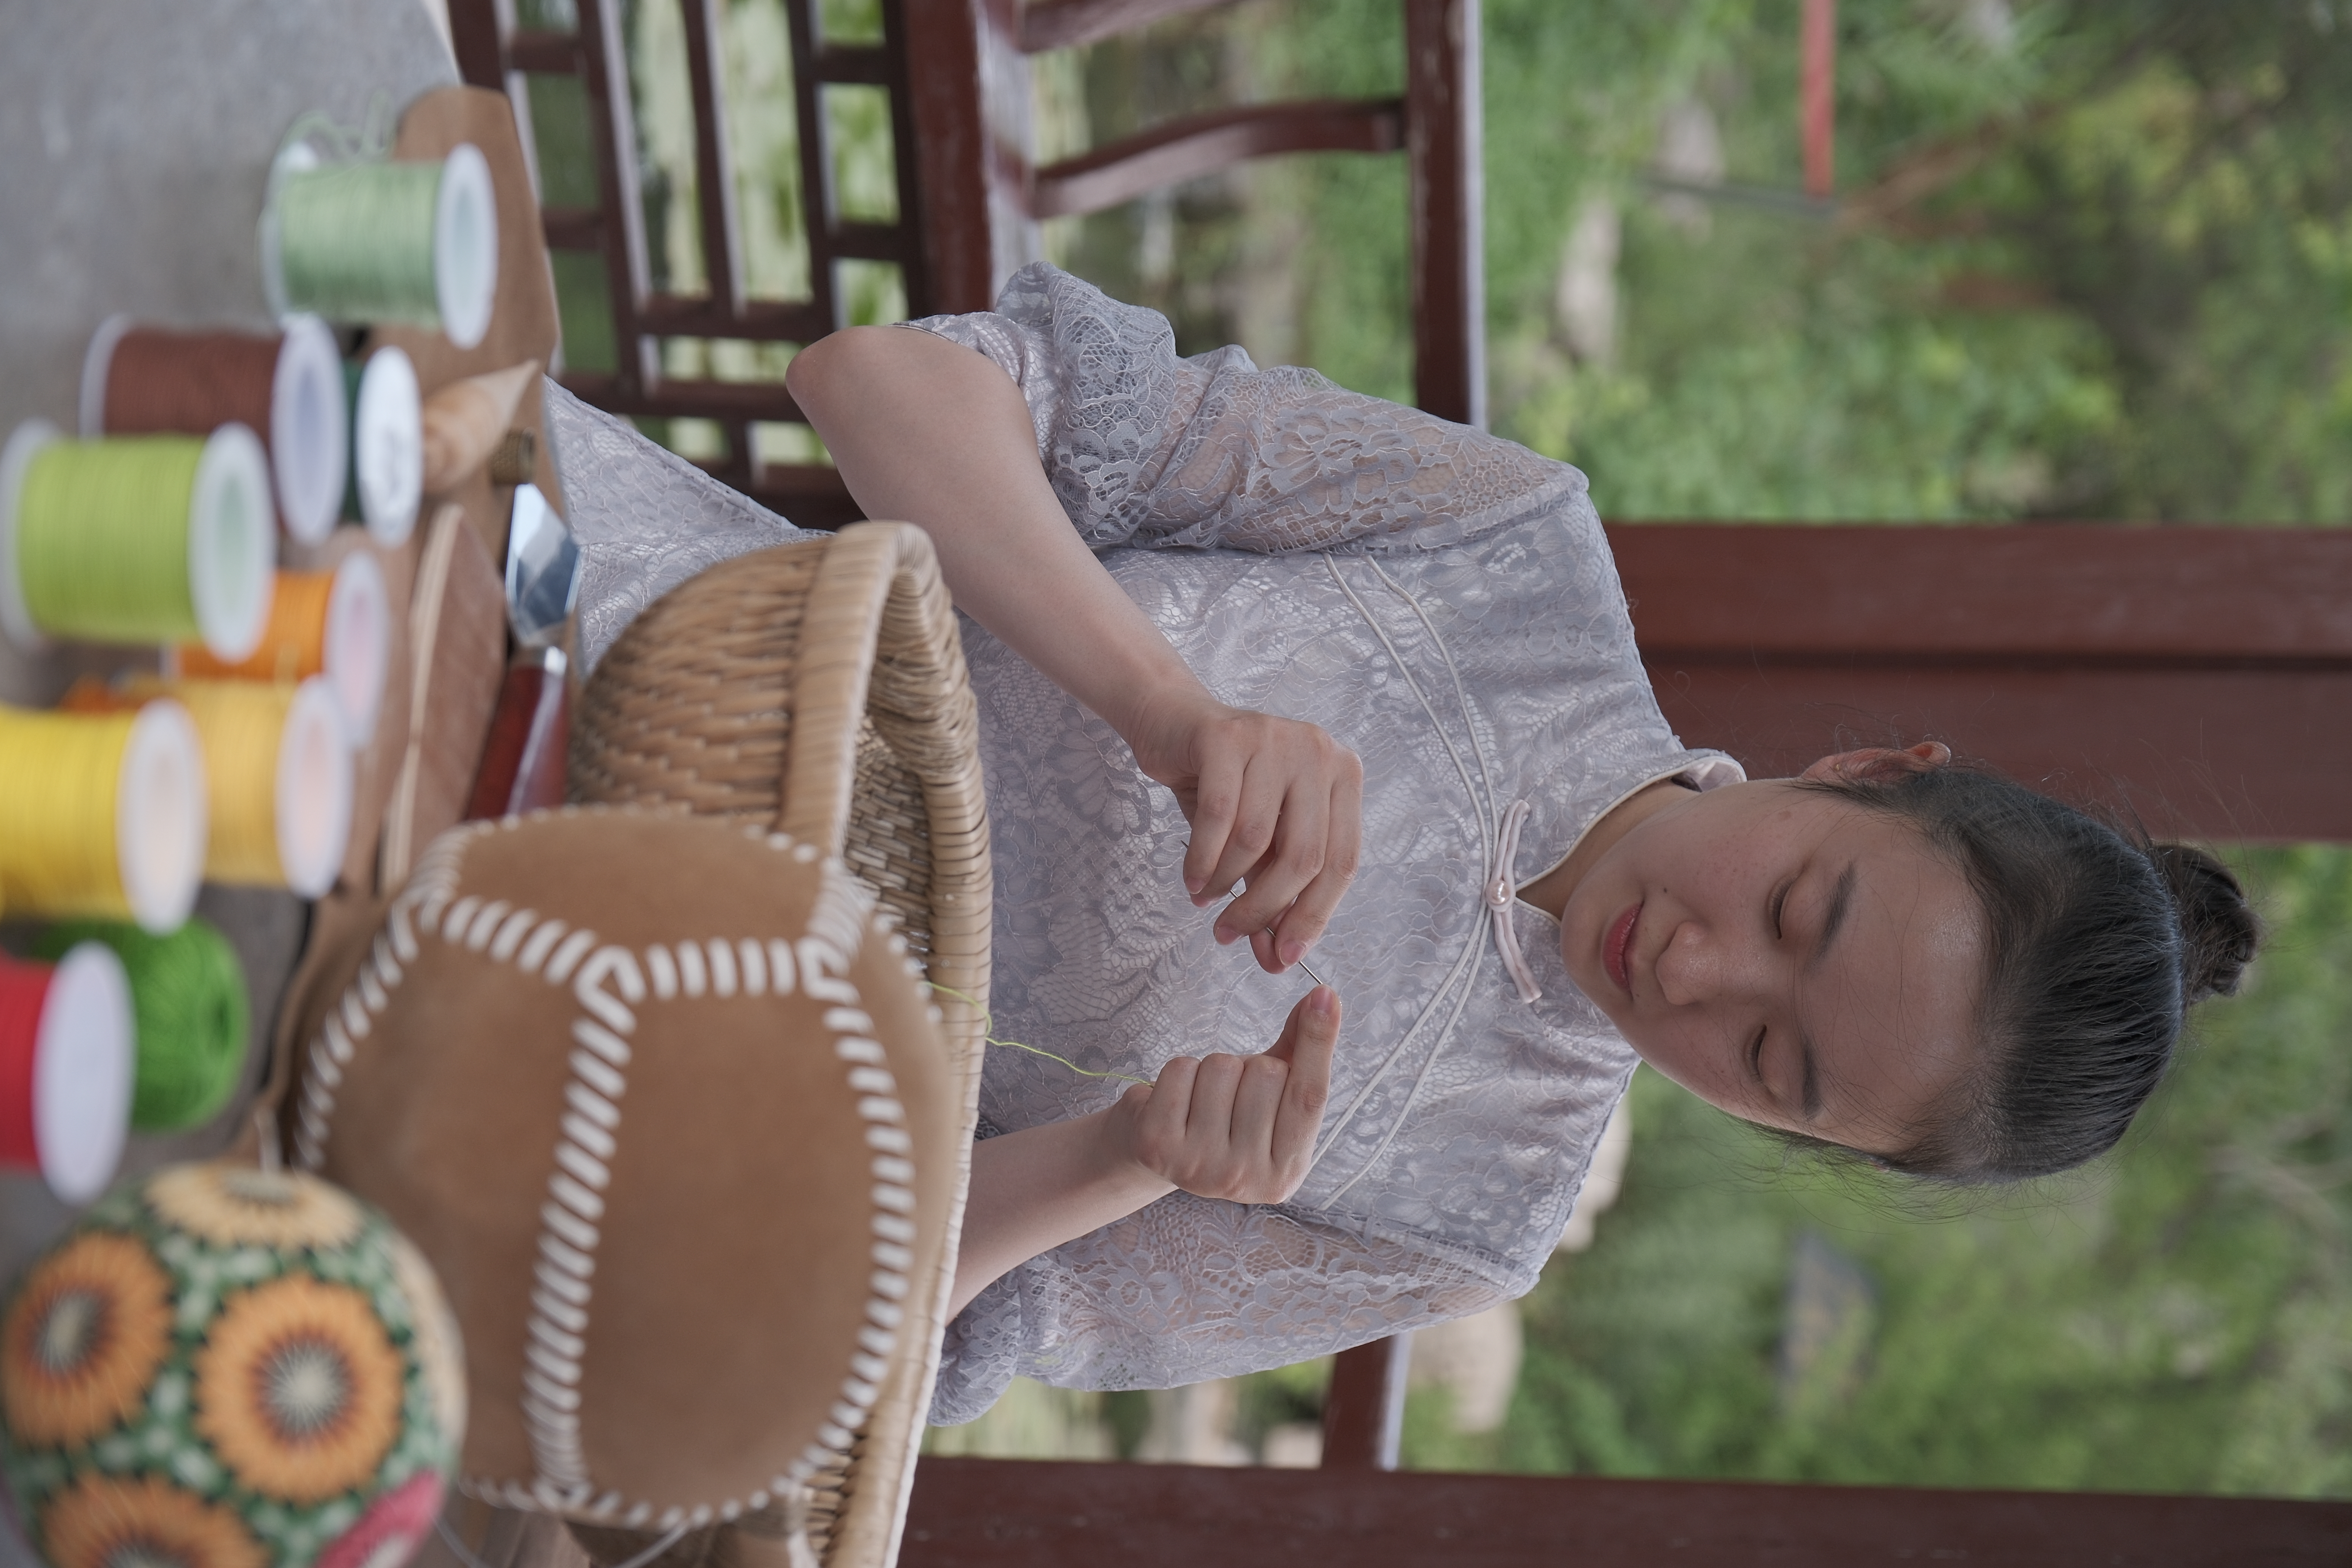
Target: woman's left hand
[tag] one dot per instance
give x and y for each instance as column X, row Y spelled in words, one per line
column 1238, row 1128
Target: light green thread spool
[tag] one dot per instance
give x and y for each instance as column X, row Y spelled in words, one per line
column 379, row 241
column 192, row 1019
column 136, row 539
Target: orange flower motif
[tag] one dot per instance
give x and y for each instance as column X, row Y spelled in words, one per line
column 101, row 1521
column 237, row 1205
column 83, row 1339
column 298, row 1389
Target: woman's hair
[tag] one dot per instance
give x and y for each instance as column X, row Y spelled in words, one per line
column 2098, row 942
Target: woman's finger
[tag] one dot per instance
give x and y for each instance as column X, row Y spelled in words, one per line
column 1215, row 798
column 1293, row 860
column 1162, row 1125
column 1210, row 1122
column 1257, row 816
column 1312, row 1035
column 1302, row 925
column 1257, row 1104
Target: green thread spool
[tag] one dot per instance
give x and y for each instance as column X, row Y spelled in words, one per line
column 136, row 539
column 369, row 241
column 193, row 1020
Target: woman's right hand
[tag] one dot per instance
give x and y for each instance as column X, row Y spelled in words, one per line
column 1274, row 804
column 928, row 431
column 1237, row 1128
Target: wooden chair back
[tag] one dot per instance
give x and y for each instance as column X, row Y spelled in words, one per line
column 969, row 198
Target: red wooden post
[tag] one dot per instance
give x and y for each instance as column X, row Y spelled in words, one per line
column 1446, row 179
column 1363, row 1410
column 1006, row 1513
column 2199, row 674
column 1819, row 109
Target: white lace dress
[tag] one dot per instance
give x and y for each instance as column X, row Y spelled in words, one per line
column 1440, row 600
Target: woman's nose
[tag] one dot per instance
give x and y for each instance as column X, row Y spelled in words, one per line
column 1699, row 966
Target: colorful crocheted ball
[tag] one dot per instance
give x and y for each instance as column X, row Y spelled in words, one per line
column 223, row 1367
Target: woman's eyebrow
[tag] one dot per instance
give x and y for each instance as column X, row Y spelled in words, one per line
column 1841, row 902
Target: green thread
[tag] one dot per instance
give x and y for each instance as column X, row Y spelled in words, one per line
column 103, row 538
column 988, row 1022
column 187, row 994
column 355, row 241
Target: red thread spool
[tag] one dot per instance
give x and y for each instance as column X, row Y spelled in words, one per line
column 141, row 380
column 67, row 1056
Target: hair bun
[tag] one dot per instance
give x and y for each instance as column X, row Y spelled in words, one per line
column 2218, row 932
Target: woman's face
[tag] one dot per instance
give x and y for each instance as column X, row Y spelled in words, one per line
column 1791, row 958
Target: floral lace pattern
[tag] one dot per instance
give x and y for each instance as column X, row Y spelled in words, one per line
column 1145, row 448
column 1441, row 601
column 646, row 519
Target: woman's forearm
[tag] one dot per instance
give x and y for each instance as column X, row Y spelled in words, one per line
column 1035, row 1189
column 929, row 432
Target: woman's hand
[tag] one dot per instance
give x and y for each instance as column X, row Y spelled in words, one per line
column 1274, row 803
column 926, row 430
column 1240, row 1128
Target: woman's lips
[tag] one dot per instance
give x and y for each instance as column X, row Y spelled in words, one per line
column 1617, row 951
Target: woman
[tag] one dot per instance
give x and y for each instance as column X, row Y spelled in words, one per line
column 1301, row 644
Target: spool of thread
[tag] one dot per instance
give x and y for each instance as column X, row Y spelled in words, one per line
column 192, row 1019
column 387, row 482
column 336, row 624
column 278, row 771
column 136, row 539
column 101, row 814
column 141, row 380
column 66, row 1057
column 368, row 241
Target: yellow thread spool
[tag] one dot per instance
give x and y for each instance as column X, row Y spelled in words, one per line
column 276, row 767
column 102, row 814
column 337, row 623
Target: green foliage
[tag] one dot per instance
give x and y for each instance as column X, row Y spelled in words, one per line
column 2089, row 259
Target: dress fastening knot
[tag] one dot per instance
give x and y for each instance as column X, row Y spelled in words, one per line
column 1502, row 897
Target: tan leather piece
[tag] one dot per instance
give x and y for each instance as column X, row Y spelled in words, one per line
column 730, row 1209
column 457, row 642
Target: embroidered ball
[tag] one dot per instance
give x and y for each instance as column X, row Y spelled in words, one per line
column 223, row 1367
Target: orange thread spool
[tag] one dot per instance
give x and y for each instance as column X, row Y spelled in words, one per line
column 336, row 624
column 293, row 645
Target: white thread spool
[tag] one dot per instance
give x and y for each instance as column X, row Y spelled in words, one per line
column 357, row 644
column 314, row 789
column 388, row 447
column 162, row 817
column 83, row 1070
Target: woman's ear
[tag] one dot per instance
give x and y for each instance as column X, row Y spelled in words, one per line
column 1880, row 765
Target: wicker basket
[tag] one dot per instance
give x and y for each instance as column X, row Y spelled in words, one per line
column 820, row 686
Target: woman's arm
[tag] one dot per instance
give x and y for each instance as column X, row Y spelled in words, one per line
column 1238, row 1128
column 926, row 430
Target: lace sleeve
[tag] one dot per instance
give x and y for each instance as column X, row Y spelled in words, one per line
column 647, row 519
column 1189, row 1289
column 1148, row 450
